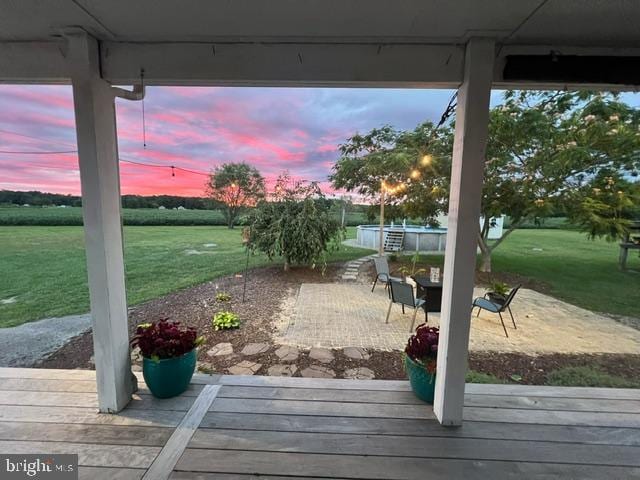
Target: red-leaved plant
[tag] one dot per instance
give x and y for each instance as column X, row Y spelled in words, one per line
column 165, row 339
column 422, row 346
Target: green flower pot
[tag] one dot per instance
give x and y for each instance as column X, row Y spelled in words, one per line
column 422, row 382
column 170, row 376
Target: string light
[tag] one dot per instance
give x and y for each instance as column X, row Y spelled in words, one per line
column 426, row 160
column 415, row 173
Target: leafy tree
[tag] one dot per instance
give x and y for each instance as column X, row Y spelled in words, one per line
column 296, row 225
column 237, row 186
column 606, row 207
column 414, row 165
column 544, row 147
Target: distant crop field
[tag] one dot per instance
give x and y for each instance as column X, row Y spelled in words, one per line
column 72, row 216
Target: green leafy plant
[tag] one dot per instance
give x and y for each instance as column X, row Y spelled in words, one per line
column 411, row 269
column 499, row 288
column 296, row 224
column 222, row 297
column 225, row 320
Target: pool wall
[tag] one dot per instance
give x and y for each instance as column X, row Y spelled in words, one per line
column 416, row 238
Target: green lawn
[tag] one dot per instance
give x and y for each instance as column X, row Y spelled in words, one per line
column 577, row 270
column 44, row 267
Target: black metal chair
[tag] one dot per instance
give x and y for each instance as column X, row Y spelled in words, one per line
column 382, row 272
column 402, row 293
column 497, row 307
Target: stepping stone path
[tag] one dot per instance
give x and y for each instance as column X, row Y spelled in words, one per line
column 245, row 367
column 220, row 349
column 317, row 371
column 353, row 267
column 287, row 353
column 282, row 370
column 357, row 353
column 362, row 373
column 255, row 348
column 323, row 355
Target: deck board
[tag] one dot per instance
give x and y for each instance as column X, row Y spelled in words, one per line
column 277, row 428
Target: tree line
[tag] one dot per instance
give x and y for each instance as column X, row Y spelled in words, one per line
column 44, row 199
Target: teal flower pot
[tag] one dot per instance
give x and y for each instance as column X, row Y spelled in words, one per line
column 422, row 382
column 170, row 376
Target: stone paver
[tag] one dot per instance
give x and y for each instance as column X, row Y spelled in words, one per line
column 361, row 373
column 245, row 367
column 220, row 349
column 287, row 353
column 343, row 315
column 357, row 353
column 282, row 370
column 317, row 371
column 322, row 355
column 255, row 348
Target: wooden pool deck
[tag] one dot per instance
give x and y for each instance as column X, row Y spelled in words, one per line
column 233, row 427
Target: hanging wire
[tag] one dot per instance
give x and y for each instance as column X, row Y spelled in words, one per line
column 144, row 123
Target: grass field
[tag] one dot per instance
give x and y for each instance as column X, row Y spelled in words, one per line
column 44, row 267
column 69, row 216
column 577, row 270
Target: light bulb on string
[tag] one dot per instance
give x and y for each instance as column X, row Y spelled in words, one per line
column 426, row 160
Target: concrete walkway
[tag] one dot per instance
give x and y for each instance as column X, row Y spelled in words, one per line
column 343, row 315
column 24, row 345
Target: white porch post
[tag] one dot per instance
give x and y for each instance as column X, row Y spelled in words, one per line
column 99, row 173
column 472, row 118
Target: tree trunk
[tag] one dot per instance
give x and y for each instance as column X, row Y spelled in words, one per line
column 485, row 262
column 485, row 251
column 286, row 264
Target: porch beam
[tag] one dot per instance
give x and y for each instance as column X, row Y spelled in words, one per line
column 100, row 181
column 472, row 121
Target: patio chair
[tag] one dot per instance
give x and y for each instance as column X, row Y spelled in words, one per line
column 402, row 293
column 497, row 307
column 382, row 272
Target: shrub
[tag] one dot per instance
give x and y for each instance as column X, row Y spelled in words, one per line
column 588, row 377
column 223, row 297
column 422, row 346
column 164, row 339
column 225, row 321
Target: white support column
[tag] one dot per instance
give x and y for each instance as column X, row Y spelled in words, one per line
column 99, row 173
column 472, row 119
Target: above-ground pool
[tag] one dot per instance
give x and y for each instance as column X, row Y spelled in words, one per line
column 416, row 238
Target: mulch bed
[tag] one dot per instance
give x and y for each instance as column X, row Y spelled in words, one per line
column 267, row 288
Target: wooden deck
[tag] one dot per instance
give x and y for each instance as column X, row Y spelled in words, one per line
column 231, row 427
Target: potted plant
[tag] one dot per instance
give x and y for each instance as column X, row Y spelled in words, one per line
column 411, row 270
column 498, row 292
column 420, row 361
column 168, row 356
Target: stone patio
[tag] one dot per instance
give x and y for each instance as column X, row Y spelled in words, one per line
column 349, row 315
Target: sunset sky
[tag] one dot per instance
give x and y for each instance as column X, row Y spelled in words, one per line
column 273, row 129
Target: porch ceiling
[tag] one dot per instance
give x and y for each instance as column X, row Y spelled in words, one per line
column 379, row 43
column 604, row 23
